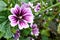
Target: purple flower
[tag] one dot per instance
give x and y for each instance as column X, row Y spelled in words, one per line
column 37, row 7
column 33, row 26
column 16, row 35
column 35, row 30
column 25, row 4
column 29, row 4
column 21, row 16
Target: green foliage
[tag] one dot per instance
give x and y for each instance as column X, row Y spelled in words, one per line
column 5, row 29
column 45, row 32
column 8, row 33
column 22, row 38
column 2, row 5
column 49, row 21
column 44, row 37
column 24, row 0
column 26, row 32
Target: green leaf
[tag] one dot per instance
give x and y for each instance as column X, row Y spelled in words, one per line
column 25, row 1
column 45, row 32
column 2, row 28
column 2, row 5
column 1, row 34
column 33, row 0
column 44, row 37
column 5, row 28
column 13, row 29
column 2, row 17
column 8, row 33
column 26, row 32
column 22, row 38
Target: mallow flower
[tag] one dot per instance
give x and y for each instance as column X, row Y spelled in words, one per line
column 35, row 30
column 29, row 4
column 21, row 16
column 25, row 4
column 37, row 7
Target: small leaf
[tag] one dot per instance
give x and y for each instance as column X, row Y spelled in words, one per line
column 8, row 33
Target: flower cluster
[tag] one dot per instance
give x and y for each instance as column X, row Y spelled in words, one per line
column 36, row 8
column 21, row 16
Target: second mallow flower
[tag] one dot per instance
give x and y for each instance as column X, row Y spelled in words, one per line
column 37, row 7
column 35, row 30
column 21, row 16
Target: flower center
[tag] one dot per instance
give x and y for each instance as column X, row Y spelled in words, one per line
column 20, row 17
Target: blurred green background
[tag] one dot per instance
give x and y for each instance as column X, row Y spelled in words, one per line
column 47, row 19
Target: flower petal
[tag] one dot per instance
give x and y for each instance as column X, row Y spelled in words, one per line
column 13, row 20
column 13, row 24
column 35, row 32
column 25, row 11
column 28, row 18
column 33, row 26
column 16, row 10
column 37, row 7
column 25, row 5
column 23, row 24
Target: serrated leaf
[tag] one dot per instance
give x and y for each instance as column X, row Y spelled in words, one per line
column 1, row 34
column 5, row 28
column 2, row 28
column 2, row 5
column 8, row 33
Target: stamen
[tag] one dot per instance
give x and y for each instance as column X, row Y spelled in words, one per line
column 20, row 17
